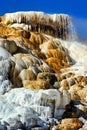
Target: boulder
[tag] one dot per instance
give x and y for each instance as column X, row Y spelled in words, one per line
column 9, row 45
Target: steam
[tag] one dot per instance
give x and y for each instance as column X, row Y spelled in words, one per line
column 81, row 28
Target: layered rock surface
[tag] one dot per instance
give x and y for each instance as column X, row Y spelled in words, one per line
column 55, row 25
column 42, row 78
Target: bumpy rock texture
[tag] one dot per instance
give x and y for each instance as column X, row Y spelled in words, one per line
column 55, row 25
column 43, row 79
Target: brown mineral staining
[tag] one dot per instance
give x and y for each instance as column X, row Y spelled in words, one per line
column 56, row 58
column 49, row 77
column 37, row 84
column 70, row 74
column 64, row 85
column 75, row 96
column 0, row 19
column 83, row 94
column 69, row 124
column 56, row 64
column 57, row 27
column 79, row 78
column 71, row 82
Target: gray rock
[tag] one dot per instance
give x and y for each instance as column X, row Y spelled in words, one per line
column 18, row 125
column 4, row 67
column 5, row 86
column 37, row 128
column 3, row 127
column 40, row 128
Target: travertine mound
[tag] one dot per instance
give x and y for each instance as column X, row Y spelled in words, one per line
column 42, row 78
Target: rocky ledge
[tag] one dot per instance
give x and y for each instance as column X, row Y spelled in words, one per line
column 56, row 25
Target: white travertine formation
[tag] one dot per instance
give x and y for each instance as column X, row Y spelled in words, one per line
column 77, row 51
column 42, row 78
column 23, row 104
column 4, row 53
column 34, row 16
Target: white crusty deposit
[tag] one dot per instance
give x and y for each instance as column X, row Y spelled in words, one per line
column 24, row 104
column 34, row 16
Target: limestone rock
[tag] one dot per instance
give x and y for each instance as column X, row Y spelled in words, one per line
column 23, row 41
column 46, row 76
column 70, row 124
column 70, row 111
column 27, row 74
column 37, row 84
column 9, row 45
column 17, row 25
column 5, row 86
column 3, row 127
column 56, row 55
column 56, row 59
column 82, row 93
column 4, row 67
column 34, row 107
column 64, row 85
column 26, row 67
column 84, row 126
column 71, row 82
column 4, row 53
column 56, row 25
column 81, row 111
column 40, row 128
